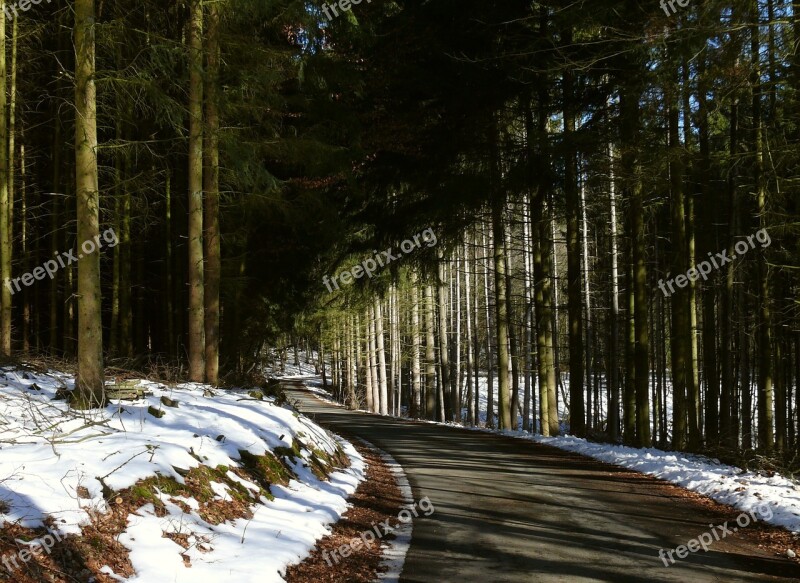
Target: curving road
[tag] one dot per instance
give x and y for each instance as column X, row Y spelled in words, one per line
column 511, row 510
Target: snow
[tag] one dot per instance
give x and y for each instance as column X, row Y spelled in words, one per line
column 49, row 453
column 744, row 490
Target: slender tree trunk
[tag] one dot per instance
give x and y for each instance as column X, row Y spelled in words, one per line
column 430, row 354
column 213, row 266
column 5, row 210
column 26, row 296
column 476, row 343
column 457, row 356
column 350, row 398
column 587, row 303
column 416, row 347
column 380, row 347
column 577, row 411
column 489, row 351
column 613, row 362
column 7, row 233
column 468, row 313
column 527, row 321
column 681, row 323
column 446, row 397
column 501, row 311
column 512, row 334
column 89, row 381
column 197, row 343
column 370, row 361
column 765, row 364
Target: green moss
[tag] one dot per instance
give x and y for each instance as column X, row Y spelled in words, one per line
column 266, row 470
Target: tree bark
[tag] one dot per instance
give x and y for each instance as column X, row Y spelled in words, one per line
column 89, row 380
column 212, row 242
column 197, row 367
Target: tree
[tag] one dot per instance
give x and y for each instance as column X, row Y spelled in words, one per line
column 213, row 266
column 89, row 380
column 197, row 344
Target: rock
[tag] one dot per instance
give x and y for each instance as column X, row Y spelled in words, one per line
column 166, row 401
column 158, row 413
column 790, row 553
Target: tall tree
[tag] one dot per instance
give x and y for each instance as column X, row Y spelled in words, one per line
column 197, row 344
column 89, row 380
column 213, row 266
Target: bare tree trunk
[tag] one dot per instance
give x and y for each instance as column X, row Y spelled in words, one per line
column 416, row 347
column 430, row 354
column 456, row 317
column 727, row 436
column 352, row 369
column 197, row 367
column 577, row 412
column 89, row 380
column 7, row 244
column 380, row 347
column 489, row 352
column 370, row 361
column 512, row 335
column 470, row 398
column 587, row 301
column 613, row 362
column 26, row 296
column 526, row 322
column 476, row 344
column 213, row 258
column 5, row 210
column 765, row 364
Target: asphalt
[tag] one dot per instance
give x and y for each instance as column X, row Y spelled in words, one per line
column 513, row 510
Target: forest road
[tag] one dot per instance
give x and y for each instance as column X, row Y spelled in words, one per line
column 513, row 510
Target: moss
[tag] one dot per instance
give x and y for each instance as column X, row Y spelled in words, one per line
column 324, row 463
column 290, row 452
column 266, row 470
column 144, row 491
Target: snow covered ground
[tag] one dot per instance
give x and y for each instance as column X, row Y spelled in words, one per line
column 56, row 464
column 741, row 489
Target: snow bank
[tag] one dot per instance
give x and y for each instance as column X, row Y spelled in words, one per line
column 55, row 463
column 736, row 487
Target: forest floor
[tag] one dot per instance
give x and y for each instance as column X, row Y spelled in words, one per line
column 514, row 510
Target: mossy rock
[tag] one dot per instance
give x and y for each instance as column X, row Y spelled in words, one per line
column 158, row 413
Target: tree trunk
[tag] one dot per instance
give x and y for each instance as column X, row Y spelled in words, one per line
column 416, row 347
column 213, row 266
column 89, row 380
column 5, row 210
column 613, row 363
column 197, row 367
column 468, row 314
column 430, row 354
column 446, row 396
column 577, row 411
column 501, row 310
column 765, row 364
column 380, row 347
column 370, row 361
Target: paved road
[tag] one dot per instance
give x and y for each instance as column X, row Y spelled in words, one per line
column 510, row 510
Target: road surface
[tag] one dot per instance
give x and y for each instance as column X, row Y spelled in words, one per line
column 512, row 510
